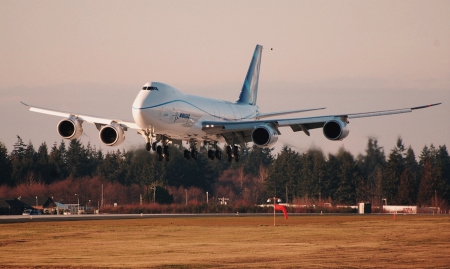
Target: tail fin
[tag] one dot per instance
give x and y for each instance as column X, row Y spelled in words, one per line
column 249, row 90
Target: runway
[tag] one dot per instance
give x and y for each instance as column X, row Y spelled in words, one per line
column 44, row 218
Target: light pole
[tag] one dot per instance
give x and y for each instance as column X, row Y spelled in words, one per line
column 78, row 205
column 207, row 197
column 435, row 201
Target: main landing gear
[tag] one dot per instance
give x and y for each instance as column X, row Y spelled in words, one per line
column 213, row 151
column 162, row 151
column 233, row 153
column 215, row 154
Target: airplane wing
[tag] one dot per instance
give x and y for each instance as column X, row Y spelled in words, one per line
column 245, row 128
column 98, row 121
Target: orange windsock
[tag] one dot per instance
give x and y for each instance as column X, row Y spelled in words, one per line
column 282, row 208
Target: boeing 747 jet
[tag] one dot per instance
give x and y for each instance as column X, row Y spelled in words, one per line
column 164, row 115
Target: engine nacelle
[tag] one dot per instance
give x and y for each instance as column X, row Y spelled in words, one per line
column 112, row 135
column 70, row 128
column 335, row 130
column 264, row 136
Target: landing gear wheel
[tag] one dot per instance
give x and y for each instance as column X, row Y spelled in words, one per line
column 154, row 146
column 159, row 150
column 235, row 150
column 237, row 157
column 147, row 146
column 211, row 154
column 218, row 154
column 187, row 154
column 228, row 150
column 230, row 158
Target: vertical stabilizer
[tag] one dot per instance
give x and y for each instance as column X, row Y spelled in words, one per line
column 249, row 90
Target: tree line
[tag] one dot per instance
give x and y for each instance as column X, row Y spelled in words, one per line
column 306, row 177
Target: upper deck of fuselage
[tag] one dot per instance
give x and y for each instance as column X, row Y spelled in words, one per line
column 157, row 95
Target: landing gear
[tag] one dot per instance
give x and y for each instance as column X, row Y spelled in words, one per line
column 214, row 152
column 211, row 154
column 187, row 154
column 233, row 153
column 162, row 151
column 194, row 154
column 147, row 146
column 190, row 153
column 218, row 154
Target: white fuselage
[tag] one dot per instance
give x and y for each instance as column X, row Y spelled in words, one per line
column 179, row 115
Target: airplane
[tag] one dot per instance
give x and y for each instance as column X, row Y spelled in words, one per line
column 164, row 115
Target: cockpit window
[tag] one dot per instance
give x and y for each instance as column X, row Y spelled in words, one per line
column 150, row 88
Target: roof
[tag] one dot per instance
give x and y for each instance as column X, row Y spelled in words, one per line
column 16, row 203
column 3, row 203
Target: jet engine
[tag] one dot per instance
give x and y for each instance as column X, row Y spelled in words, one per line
column 335, row 130
column 70, row 128
column 112, row 134
column 264, row 136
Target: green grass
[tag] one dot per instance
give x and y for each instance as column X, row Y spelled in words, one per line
column 354, row 241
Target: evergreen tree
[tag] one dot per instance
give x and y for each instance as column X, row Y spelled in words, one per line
column 409, row 186
column 256, row 158
column 392, row 172
column 443, row 174
column 77, row 160
column 284, row 172
column 427, row 176
column 23, row 159
column 42, row 164
column 57, row 162
column 330, row 181
column 5, row 166
column 311, row 174
column 347, row 175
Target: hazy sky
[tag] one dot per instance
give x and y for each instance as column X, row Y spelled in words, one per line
column 351, row 56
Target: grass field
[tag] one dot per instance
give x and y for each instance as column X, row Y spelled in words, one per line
column 352, row 241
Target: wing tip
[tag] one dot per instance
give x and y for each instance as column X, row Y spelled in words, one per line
column 430, row 105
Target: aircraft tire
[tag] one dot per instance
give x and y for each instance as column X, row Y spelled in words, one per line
column 166, row 150
column 148, row 146
column 187, row 154
column 218, row 154
column 211, row 154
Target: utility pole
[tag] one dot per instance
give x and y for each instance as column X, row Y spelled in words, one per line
column 286, row 195
column 435, row 201
column 102, row 197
